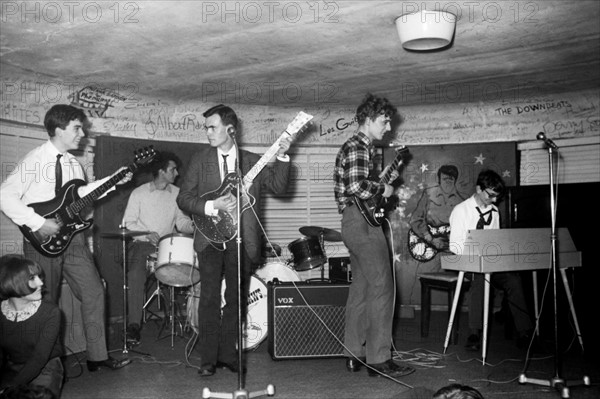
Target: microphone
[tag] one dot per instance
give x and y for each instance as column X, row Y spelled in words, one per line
column 549, row 142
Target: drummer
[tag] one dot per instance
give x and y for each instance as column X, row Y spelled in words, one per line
column 151, row 207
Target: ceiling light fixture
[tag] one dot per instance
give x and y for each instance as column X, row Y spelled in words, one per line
column 426, row 30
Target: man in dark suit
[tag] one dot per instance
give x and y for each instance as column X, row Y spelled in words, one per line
column 201, row 196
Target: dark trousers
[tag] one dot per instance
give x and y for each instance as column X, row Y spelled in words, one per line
column 513, row 290
column 218, row 327
column 370, row 304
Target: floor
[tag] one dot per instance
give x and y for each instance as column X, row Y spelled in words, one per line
column 165, row 366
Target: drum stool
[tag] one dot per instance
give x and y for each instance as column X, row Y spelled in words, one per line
column 442, row 281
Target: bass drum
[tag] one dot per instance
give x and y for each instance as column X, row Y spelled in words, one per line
column 276, row 270
column 257, row 321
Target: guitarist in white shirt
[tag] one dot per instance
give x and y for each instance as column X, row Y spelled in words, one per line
column 34, row 181
column 204, row 194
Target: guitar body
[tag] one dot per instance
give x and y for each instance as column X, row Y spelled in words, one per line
column 373, row 209
column 58, row 208
column 67, row 205
column 421, row 249
column 223, row 227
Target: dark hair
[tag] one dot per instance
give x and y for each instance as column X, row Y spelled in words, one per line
column 29, row 391
column 373, row 106
column 15, row 273
column 228, row 116
column 457, row 391
column 492, row 180
column 161, row 162
column 60, row 115
column 449, row 170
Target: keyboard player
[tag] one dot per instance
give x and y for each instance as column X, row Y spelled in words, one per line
column 480, row 212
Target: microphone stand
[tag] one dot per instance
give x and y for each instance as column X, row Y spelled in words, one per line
column 557, row 381
column 240, row 392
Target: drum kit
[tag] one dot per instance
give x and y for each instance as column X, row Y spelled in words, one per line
column 175, row 264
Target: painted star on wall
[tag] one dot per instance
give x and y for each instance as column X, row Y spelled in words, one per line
column 424, row 167
column 506, row 174
column 479, row 159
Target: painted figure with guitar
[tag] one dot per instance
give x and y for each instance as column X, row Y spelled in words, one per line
column 429, row 231
column 44, row 196
column 208, row 193
column 370, row 305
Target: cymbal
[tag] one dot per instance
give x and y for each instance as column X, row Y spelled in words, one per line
column 124, row 232
column 315, row 231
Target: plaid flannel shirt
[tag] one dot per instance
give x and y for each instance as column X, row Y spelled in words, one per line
column 353, row 165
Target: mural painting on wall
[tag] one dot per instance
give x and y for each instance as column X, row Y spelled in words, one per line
column 434, row 180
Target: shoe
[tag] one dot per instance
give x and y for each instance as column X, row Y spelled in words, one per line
column 473, row 343
column 207, row 370
column 389, row 369
column 353, row 364
column 233, row 367
column 133, row 334
column 109, row 363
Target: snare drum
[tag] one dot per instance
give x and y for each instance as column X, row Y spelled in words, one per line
column 307, row 253
column 151, row 263
column 278, row 270
column 176, row 262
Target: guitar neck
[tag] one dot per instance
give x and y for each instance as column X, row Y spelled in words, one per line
column 393, row 166
column 80, row 204
column 263, row 161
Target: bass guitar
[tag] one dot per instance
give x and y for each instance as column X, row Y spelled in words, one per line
column 373, row 209
column 67, row 205
column 223, row 227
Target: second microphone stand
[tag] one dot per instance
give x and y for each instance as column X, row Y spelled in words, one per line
column 557, row 381
column 240, row 392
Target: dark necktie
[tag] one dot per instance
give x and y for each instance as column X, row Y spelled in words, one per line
column 58, row 174
column 482, row 222
column 224, row 165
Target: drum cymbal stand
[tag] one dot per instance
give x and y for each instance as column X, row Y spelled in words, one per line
column 240, row 392
column 322, row 243
column 557, row 381
column 124, row 234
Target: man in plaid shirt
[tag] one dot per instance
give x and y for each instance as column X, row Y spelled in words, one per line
column 370, row 305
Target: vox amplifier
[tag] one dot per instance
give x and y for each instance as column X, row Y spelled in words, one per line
column 306, row 319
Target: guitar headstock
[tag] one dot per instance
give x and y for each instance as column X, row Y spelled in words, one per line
column 299, row 121
column 400, row 149
column 144, row 156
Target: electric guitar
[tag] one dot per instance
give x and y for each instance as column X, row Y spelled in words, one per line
column 67, row 205
column 373, row 209
column 223, row 227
